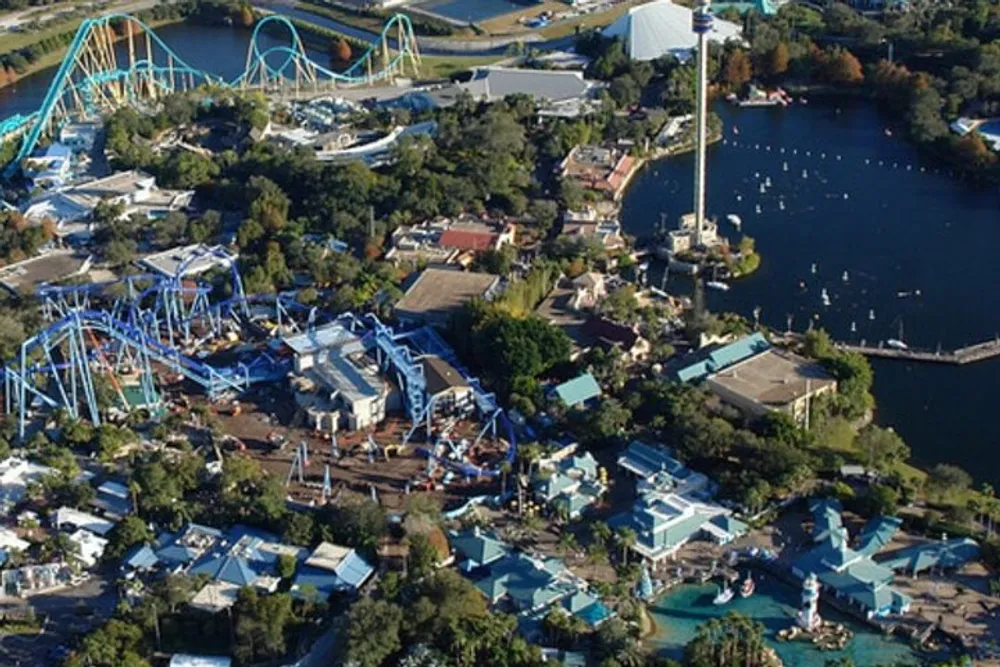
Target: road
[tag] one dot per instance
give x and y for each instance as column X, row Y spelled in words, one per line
column 14, row 19
column 70, row 612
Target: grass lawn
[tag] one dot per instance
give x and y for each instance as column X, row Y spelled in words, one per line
column 444, row 66
column 12, row 41
column 370, row 23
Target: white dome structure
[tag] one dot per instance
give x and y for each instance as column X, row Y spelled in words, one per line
column 662, row 28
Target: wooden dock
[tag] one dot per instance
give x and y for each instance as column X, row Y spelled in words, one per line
column 963, row 355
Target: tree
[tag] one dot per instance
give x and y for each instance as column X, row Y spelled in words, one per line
column 115, row 644
column 946, row 479
column 881, row 447
column 626, row 538
column 340, row 50
column 777, row 60
column 732, row 640
column 739, row 69
column 924, row 116
column 423, row 556
column 246, row 16
column 842, row 67
column 373, row 632
column 261, row 624
column 286, row 566
column 127, row 533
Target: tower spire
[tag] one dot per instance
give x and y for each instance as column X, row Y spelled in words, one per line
column 701, row 25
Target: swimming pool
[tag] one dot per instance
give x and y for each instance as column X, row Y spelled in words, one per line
column 473, row 11
column 680, row 611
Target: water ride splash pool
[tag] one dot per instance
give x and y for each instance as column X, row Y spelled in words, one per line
column 680, row 611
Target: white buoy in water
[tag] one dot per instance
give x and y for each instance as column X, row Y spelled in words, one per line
column 795, row 151
column 784, row 166
column 739, row 197
column 805, row 173
column 868, row 160
column 757, row 209
column 822, row 156
column 781, row 204
column 880, row 163
column 767, row 148
column 756, row 174
column 756, row 147
column 838, row 158
column 808, row 153
column 782, row 151
column 763, row 189
column 854, row 327
column 909, row 167
column 767, row 181
column 845, row 195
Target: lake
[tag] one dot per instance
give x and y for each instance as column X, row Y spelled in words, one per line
column 917, row 245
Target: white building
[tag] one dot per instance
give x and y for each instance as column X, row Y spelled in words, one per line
column 194, row 259
column 71, row 207
column 91, row 547
column 662, row 28
column 336, row 382
column 15, row 476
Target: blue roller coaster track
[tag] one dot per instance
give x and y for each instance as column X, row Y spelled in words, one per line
column 90, row 80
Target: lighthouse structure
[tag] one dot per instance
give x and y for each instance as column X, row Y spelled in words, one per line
column 808, row 617
column 701, row 24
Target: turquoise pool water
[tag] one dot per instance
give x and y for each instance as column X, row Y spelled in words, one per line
column 680, row 611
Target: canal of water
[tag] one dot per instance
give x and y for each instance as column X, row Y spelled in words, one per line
column 825, row 185
column 918, row 246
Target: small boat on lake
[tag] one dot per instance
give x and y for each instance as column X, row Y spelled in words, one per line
column 734, row 220
column 724, row 595
column 717, row 285
column 748, row 587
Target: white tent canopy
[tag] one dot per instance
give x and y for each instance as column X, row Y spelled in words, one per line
column 662, row 28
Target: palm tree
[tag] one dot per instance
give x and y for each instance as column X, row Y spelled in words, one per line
column 626, row 539
column 599, row 532
column 568, row 543
column 528, row 455
column 505, row 468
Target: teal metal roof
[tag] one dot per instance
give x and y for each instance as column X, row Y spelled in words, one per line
column 951, row 554
column 478, row 546
column 722, row 357
column 730, row 524
column 579, row 390
column 877, row 534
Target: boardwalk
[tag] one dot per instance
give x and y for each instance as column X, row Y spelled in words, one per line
column 961, row 356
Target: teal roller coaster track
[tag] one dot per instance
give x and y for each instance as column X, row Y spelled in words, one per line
column 91, row 80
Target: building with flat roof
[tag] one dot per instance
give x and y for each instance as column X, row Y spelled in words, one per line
column 446, row 386
column 229, row 560
column 772, row 380
column 571, row 485
column 588, row 225
column 603, row 170
column 579, row 392
column 194, row 259
column 664, row 521
column 69, row 519
column 438, row 294
column 655, row 468
column 71, row 207
column 491, row 84
column 449, row 240
column 15, row 476
column 330, row 569
column 336, row 381
column 52, row 267
column 711, row 359
column 51, row 168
